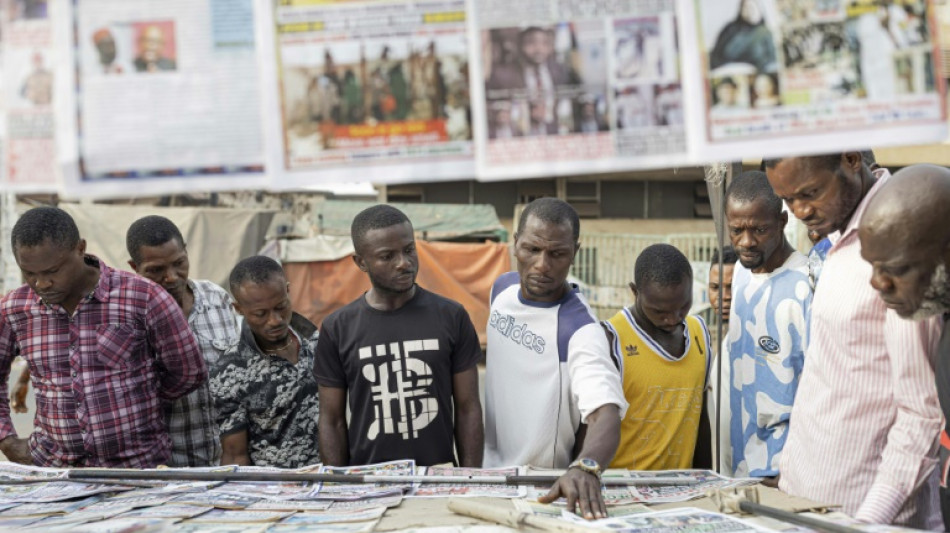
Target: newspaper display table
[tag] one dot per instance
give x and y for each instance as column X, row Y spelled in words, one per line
column 42, row 499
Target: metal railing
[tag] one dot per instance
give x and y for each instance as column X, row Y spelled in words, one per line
column 604, row 265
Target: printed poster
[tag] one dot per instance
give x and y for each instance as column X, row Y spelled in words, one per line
column 372, row 90
column 789, row 77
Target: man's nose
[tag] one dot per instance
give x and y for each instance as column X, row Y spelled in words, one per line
column 881, row 282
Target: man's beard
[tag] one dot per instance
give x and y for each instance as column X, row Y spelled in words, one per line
column 936, row 299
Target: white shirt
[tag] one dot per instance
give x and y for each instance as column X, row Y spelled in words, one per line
column 548, row 368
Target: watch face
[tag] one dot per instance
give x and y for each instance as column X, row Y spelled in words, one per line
column 589, row 463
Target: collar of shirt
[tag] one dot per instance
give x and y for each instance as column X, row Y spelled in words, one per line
column 200, row 304
column 882, row 175
column 247, row 336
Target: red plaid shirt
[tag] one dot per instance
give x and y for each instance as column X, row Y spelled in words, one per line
column 100, row 376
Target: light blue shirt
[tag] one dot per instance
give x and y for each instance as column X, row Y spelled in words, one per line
column 767, row 338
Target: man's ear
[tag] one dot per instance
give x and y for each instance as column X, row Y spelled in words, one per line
column 360, row 262
column 633, row 289
column 237, row 307
column 133, row 266
column 784, row 218
column 81, row 247
column 853, row 161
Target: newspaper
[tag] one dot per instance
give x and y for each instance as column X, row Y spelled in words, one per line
column 32, row 72
column 221, row 516
column 558, row 511
column 54, row 491
column 374, row 88
column 166, row 97
column 497, row 490
column 686, row 520
column 357, row 491
column 818, row 72
column 569, row 87
column 700, row 482
column 290, row 505
column 351, row 527
column 390, row 500
column 317, row 519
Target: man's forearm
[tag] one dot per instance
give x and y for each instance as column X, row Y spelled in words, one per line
column 603, row 435
column 334, row 445
column 469, row 435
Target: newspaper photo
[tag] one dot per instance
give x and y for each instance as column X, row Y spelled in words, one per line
column 375, row 87
column 572, row 84
column 166, row 97
column 817, row 70
column 496, row 490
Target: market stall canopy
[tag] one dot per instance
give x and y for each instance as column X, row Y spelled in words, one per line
column 432, row 222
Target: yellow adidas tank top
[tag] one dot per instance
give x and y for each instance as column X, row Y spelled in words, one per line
column 665, row 396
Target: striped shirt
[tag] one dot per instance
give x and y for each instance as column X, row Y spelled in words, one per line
column 866, row 418
column 191, row 424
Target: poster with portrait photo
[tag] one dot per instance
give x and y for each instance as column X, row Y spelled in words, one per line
column 560, row 71
column 157, row 109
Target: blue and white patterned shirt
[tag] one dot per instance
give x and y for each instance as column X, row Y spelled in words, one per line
column 767, row 338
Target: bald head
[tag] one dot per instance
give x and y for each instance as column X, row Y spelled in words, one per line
column 905, row 236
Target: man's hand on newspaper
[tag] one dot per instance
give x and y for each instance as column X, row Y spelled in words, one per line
column 18, row 396
column 581, row 489
column 17, row 450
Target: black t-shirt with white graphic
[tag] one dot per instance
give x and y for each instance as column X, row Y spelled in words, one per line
column 397, row 367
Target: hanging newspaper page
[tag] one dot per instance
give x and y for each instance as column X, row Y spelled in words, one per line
column 166, row 98
column 568, row 86
column 371, row 90
column 33, row 84
column 787, row 77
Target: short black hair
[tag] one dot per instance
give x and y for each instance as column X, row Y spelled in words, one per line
column 728, row 256
column 45, row 224
column 552, row 210
column 256, row 269
column 753, row 186
column 824, row 162
column 376, row 217
column 663, row 265
column 152, row 230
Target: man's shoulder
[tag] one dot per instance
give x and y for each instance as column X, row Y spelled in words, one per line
column 125, row 287
column 212, row 293
column 18, row 299
column 438, row 302
column 503, row 283
column 345, row 313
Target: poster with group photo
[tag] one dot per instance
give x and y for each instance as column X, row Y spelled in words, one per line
column 372, row 90
column 28, row 97
column 573, row 86
column 799, row 76
column 166, row 96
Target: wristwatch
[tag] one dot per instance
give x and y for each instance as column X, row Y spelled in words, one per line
column 587, row 465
